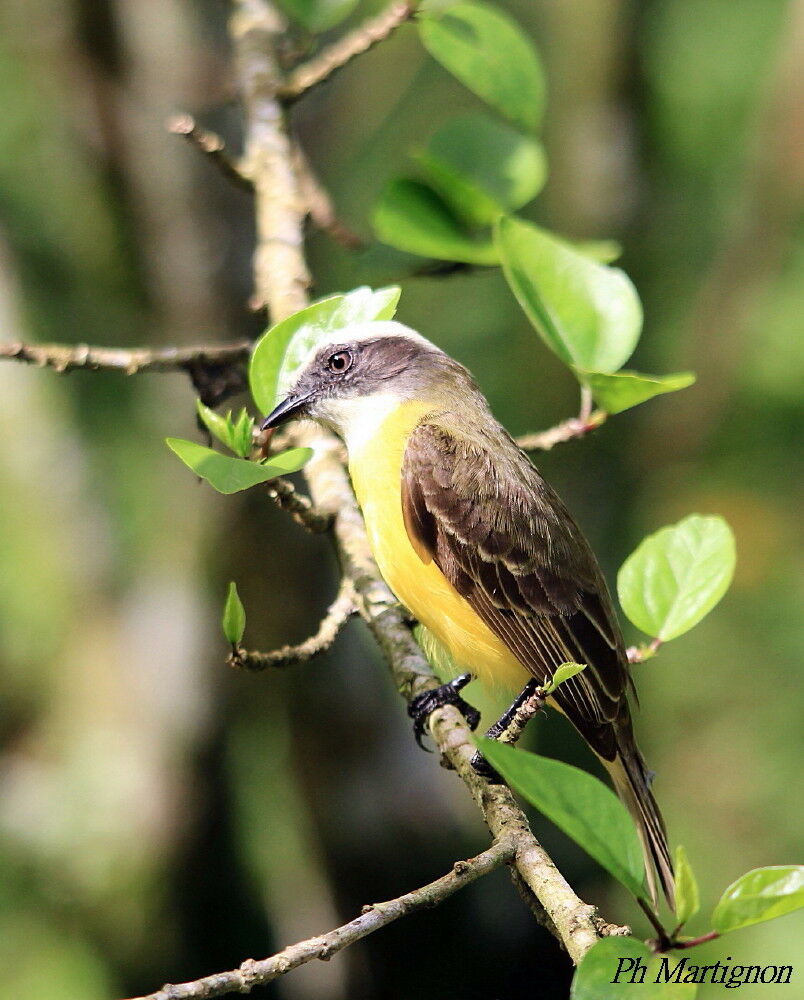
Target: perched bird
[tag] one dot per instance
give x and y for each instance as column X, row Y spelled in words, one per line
column 473, row 541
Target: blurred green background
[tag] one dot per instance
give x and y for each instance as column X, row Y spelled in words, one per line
column 162, row 818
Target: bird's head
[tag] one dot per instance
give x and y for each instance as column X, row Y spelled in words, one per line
column 358, row 374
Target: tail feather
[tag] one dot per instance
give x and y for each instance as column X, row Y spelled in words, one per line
column 631, row 781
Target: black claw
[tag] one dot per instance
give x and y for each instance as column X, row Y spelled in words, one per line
column 482, row 767
column 422, row 705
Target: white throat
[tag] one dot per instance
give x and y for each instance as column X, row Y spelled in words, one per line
column 357, row 419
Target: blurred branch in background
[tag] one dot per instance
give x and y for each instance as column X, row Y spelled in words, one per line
column 337, row 55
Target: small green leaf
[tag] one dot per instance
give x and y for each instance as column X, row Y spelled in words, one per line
column 677, row 575
column 281, row 350
column 489, row 53
column 561, row 674
column 218, row 426
column 234, row 616
column 318, row 15
column 687, row 898
column 410, row 216
column 230, row 475
column 579, row 804
column 587, row 313
column 621, row 391
column 242, row 434
column 760, row 895
column 483, row 168
column 622, row 968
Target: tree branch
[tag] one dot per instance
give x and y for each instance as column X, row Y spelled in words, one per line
column 67, row 357
column 281, row 279
column 337, row 55
column 213, row 148
column 323, row 947
column 567, row 430
column 338, row 613
column 286, row 497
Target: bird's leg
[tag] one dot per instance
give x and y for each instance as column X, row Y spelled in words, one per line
column 422, row 705
column 511, row 724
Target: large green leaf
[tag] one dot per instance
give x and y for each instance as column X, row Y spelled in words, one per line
column 234, row 616
column 581, row 805
column 761, row 894
column 587, row 313
column 621, row 391
column 411, row 216
column 483, row 168
column 318, row 15
column 687, row 897
column 677, row 575
column 622, row 968
column 279, row 352
column 489, row 54
column 230, row 475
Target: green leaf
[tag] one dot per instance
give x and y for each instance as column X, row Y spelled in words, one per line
column 612, row 970
column 687, row 898
column 242, row 434
column 587, row 313
column 561, row 674
column 230, row 475
column 677, row 575
column 489, row 53
column 236, row 436
column 760, row 895
column 621, row 391
column 218, row 426
column 410, row 216
column 579, row 804
column 234, row 616
column 281, row 350
column 318, row 15
column 483, row 168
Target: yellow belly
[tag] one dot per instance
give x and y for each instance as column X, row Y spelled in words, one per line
column 375, row 469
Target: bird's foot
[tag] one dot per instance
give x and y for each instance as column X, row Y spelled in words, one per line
column 424, row 704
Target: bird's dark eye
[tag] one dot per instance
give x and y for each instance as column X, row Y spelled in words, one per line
column 340, row 363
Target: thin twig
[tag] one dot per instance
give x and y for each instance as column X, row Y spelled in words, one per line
column 638, row 654
column 286, row 497
column 338, row 613
column 323, row 947
column 567, row 430
column 337, row 55
column 319, row 204
column 213, row 148
column 67, row 357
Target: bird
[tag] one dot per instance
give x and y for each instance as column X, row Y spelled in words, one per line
column 474, row 542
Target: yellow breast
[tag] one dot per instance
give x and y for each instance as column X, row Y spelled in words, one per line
column 375, row 464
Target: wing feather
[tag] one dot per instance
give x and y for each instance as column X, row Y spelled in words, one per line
column 478, row 508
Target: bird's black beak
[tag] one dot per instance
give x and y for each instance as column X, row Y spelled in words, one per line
column 290, row 407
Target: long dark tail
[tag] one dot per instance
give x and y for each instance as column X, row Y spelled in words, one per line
column 631, row 780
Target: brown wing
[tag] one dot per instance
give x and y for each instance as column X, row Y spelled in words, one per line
column 478, row 508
